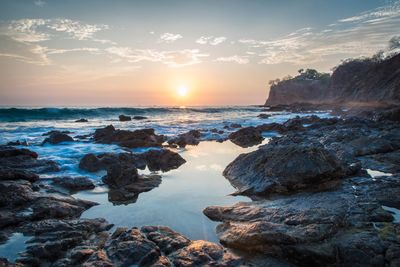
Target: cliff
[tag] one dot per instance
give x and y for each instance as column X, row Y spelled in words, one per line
column 363, row 81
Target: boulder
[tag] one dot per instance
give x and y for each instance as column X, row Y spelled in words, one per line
column 130, row 139
column 57, row 137
column 283, row 169
column 74, row 183
column 15, row 174
column 246, row 137
column 162, row 159
column 124, row 118
column 189, row 138
column 263, row 116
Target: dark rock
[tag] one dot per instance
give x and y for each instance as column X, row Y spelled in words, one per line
column 57, row 137
column 119, row 176
column 235, row 125
column 15, row 174
column 16, row 193
column 93, row 163
column 18, row 143
column 74, row 183
column 82, row 120
column 333, row 227
column 139, row 117
column 24, row 160
column 131, row 247
column 130, row 139
column 246, row 137
column 163, row 159
column 124, row 118
column 55, row 131
column 165, row 238
column 263, row 116
column 284, row 169
column 189, row 138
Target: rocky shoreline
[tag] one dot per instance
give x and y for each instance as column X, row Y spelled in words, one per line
column 314, row 201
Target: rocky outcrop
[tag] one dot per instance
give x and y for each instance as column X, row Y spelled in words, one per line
column 189, row 138
column 246, row 137
column 130, row 139
column 354, row 81
column 82, row 120
column 86, row 242
column 283, row 169
column 74, row 183
column 57, row 137
column 124, row 118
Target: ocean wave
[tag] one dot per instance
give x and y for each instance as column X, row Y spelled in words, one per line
column 32, row 114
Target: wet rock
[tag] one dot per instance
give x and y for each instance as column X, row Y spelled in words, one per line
column 263, row 116
column 74, row 183
column 17, row 143
column 333, row 227
column 124, row 118
column 84, row 136
column 57, row 137
column 94, row 163
column 166, row 239
column 271, row 127
column 82, row 120
column 130, row 139
column 131, row 247
column 189, row 138
column 235, row 125
column 120, row 176
column 16, row 193
column 282, row 169
column 24, row 160
column 246, row 137
column 162, row 159
column 139, row 117
column 13, row 174
column 385, row 162
column 55, row 131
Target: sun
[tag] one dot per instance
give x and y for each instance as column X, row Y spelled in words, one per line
column 182, row 91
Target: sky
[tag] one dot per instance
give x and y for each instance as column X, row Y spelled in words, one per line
column 142, row 53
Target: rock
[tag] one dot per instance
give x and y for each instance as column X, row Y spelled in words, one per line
column 263, row 116
column 82, row 120
column 57, row 137
column 324, row 228
column 139, row 117
column 235, row 125
column 124, row 118
column 74, row 183
column 94, row 163
column 130, row 139
column 14, row 174
column 246, row 137
column 282, row 169
column 16, row 193
column 55, row 131
column 131, row 247
column 24, row 160
column 189, row 138
column 165, row 238
column 18, row 143
column 164, row 160
column 119, row 176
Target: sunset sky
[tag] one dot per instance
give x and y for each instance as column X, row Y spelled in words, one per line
column 129, row 53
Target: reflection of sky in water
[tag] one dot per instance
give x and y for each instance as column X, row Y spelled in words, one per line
column 13, row 246
column 183, row 194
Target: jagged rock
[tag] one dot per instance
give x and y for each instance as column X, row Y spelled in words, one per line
column 130, row 139
column 124, row 118
column 246, row 137
column 82, row 120
column 13, row 174
column 25, row 160
column 16, row 193
column 131, row 247
column 165, row 238
column 17, row 143
column 74, row 183
column 283, row 169
column 189, row 138
column 57, row 137
column 162, row 159
column 334, row 227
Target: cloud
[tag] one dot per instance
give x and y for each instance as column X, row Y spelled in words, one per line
column 237, row 59
column 211, row 40
column 169, row 37
column 39, row 3
column 76, row 29
column 360, row 35
column 177, row 58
